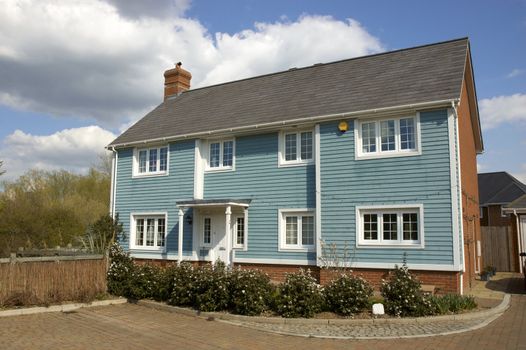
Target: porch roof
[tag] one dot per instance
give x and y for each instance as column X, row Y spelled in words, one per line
column 214, row 202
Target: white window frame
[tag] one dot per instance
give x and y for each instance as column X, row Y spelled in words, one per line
column 221, row 167
column 388, row 209
column 283, row 246
column 148, row 173
column 282, row 162
column 398, row 151
column 235, row 245
column 148, row 215
column 202, row 231
column 481, row 212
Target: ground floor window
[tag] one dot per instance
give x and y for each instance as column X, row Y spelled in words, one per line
column 296, row 229
column 148, row 231
column 390, row 226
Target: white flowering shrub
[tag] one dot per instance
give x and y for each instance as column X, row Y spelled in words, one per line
column 403, row 294
column 120, row 272
column 348, row 294
column 182, row 286
column 145, row 282
column 250, row 292
column 299, row 296
column 212, row 287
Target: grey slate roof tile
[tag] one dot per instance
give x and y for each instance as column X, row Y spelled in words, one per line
column 416, row 75
column 499, row 188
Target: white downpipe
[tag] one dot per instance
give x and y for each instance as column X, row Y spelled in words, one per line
column 520, row 243
column 317, row 165
column 228, row 233
column 113, row 186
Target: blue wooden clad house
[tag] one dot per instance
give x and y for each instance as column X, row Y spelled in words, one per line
column 367, row 160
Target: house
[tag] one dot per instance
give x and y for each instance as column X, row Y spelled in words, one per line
column 517, row 211
column 500, row 223
column 371, row 160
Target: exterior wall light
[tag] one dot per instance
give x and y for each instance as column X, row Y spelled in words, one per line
column 343, row 126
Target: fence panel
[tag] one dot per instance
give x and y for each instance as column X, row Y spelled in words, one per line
column 497, row 247
column 43, row 280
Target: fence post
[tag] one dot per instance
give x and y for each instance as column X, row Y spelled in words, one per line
column 12, row 258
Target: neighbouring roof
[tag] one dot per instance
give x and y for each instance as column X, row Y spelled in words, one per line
column 410, row 76
column 519, row 203
column 499, row 188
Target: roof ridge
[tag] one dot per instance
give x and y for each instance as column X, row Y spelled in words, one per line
column 328, row 63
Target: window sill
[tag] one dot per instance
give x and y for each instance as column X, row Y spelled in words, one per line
column 388, row 155
column 390, row 246
column 297, row 250
column 140, row 176
column 283, row 164
column 149, row 249
column 219, row 170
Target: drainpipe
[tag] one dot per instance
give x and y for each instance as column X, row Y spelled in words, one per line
column 520, row 243
column 113, row 188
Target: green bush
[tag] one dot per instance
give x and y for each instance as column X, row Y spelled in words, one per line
column 250, row 291
column 299, row 296
column 145, row 282
column 452, row 303
column 212, row 287
column 403, row 295
column 347, row 295
column 182, row 285
column 120, row 272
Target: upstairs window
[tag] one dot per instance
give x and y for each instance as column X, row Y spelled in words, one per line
column 148, row 232
column 296, row 147
column 220, row 155
column 387, row 137
column 152, row 161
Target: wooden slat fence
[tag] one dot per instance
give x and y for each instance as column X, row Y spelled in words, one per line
column 497, row 247
column 45, row 280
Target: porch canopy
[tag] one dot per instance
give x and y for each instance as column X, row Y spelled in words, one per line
column 226, row 203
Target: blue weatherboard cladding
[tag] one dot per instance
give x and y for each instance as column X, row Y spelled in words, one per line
column 346, row 183
column 157, row 193
column 258, row 177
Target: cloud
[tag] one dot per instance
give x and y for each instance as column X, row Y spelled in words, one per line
column 71, row 149
column 521, row 173
column 502, row 109
column 515, row 73
column 104, row 60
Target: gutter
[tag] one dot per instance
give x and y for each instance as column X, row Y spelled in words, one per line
column 363, row 113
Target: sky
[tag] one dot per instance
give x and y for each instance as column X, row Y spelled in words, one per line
column 75, row 74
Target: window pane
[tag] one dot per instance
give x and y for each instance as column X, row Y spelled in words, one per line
column 139, row 232
column 161, row 229
column 290, row 147
column 368, row 137
column 240, row 231
column 410, row 227
column 306, row 145
column 390, row 227
column 228, row 153
column 150, row 231
column 387, row 134
column 153, row 160
column 407, row 133
column 163, row 158
column 142, row 161
column 307, row 230
column 370, row 227
column 207, row 237
column 291, row 236
column 214, row 154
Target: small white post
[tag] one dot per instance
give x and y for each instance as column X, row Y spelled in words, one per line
column 228, row 233
column 180, row 240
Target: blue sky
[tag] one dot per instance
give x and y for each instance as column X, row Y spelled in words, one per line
column 90, row 69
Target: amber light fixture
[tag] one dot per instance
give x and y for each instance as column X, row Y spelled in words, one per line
column 343, row 126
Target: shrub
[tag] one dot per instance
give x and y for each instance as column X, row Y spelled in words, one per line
column 452, row 303
column 181, row 285
column 347, row 295
column 250, row 291
column 145, row 281
column 299, row 296
column 403, row 295
column 120, row 272
column 211, row 288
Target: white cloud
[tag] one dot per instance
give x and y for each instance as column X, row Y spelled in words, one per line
column 104, row 59
column 71, row 149
column 515, row 73
column 521, row 173
column 502, row 109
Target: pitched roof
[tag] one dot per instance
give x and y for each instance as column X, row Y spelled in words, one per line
column 499, row 188
column 519, row 203
column 410, row 76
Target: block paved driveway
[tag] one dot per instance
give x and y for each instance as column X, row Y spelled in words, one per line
column 130, row 326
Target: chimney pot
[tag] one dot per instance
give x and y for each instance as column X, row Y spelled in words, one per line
column 176, row 80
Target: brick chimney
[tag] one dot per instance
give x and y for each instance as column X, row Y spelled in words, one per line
column 176, row 80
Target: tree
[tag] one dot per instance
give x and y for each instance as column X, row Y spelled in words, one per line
column 2, row 172
column 101, row 234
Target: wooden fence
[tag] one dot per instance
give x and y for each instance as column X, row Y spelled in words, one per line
column 45, row 280
column 498, row 247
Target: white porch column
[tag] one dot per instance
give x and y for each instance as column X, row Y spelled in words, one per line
column 180, row 240
column 228, row 233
